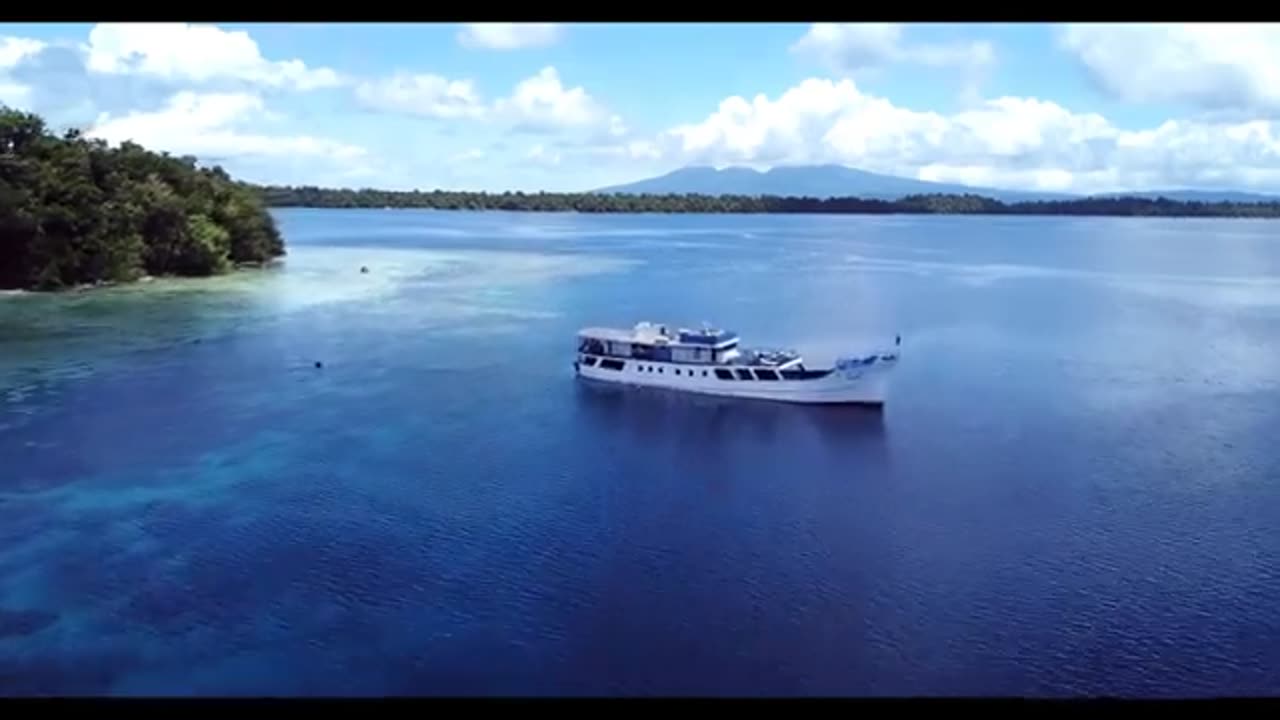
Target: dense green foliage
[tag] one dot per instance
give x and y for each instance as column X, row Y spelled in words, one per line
column 75, row 211
column 628, row 203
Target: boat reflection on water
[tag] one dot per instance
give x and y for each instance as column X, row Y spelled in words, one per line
column 719, row 435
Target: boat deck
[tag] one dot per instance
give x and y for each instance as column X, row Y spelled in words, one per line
column 611, row 334
column 657, row 334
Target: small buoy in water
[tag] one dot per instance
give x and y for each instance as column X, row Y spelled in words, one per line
column 319, row 364
column 364, row 268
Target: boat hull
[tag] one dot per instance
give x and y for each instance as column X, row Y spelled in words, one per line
column 861, row 384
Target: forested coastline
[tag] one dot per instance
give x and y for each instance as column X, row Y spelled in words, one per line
column 315, row 197
column 74, row 211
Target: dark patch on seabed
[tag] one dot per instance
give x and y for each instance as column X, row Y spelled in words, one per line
column 17, row 623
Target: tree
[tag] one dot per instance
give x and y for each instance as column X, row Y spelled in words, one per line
column 74, row 210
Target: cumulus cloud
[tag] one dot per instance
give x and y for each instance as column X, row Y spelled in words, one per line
column 509, row 36
column 1004, row 142
column 208, row 126
column 543, row 103
column 1210, row 66
column 423, row 95
column 538, row 104
column 119, row 68
column 846, row 48
column 14, row 49
column 195, row 53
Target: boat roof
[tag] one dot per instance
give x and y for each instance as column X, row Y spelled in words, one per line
column 648, row 333
column 607, row 333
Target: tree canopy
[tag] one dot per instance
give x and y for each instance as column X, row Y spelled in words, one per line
column 316, row 197
column 75, row 211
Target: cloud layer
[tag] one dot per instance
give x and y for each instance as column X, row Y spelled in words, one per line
column 540, row 103
column 846, row 48
column 1007, row 141
column 202, row 90
column 425, row 95
column 1218, row 66
column 509, row 36
column 214, row 125
column 195, row 53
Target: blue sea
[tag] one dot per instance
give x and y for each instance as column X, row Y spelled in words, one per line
column 1074, row 488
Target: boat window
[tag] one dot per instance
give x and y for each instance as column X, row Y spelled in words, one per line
column 804, row 374
column 745, row 375
column 677, row 371
column 589, row 361
column 766, row 375
column 659, row 370
column 722, row 374
column 611, row 364
column 704, row 373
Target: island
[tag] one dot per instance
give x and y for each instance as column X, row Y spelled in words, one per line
column 76, row 212
column 617, row 202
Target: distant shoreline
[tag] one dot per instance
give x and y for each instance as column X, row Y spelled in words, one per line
column 673, row 204
column 101, row 285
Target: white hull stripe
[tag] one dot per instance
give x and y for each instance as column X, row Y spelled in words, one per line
column 853, row 383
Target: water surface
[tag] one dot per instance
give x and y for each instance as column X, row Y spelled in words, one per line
column 1071, row 491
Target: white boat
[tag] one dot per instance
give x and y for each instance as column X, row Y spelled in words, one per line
column 710, row 361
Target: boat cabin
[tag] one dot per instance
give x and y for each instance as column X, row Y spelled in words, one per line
column 655, row 343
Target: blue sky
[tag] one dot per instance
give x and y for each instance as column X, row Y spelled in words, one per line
column 579, row 106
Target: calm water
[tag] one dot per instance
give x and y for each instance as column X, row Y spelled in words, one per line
column 1073, row 489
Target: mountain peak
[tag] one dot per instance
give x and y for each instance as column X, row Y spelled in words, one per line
column 832, row 180
column 824, row 180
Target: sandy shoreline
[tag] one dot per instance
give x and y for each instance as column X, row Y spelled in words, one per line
column 143, row 280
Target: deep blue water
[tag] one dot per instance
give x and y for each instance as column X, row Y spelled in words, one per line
column 1073, row 488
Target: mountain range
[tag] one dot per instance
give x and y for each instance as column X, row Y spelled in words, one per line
column 823, row 181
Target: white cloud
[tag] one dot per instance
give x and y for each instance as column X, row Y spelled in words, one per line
column 540, row 103
column 541, row 155
column 543, row 103
column 1004, row 142
column 509, row 36
column 848, row 47
column 467, row 156
column 631, row 151
column 205, row 125
column 195, row 53
column 1210, row 66
column 14, row 50
column 423, row 95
